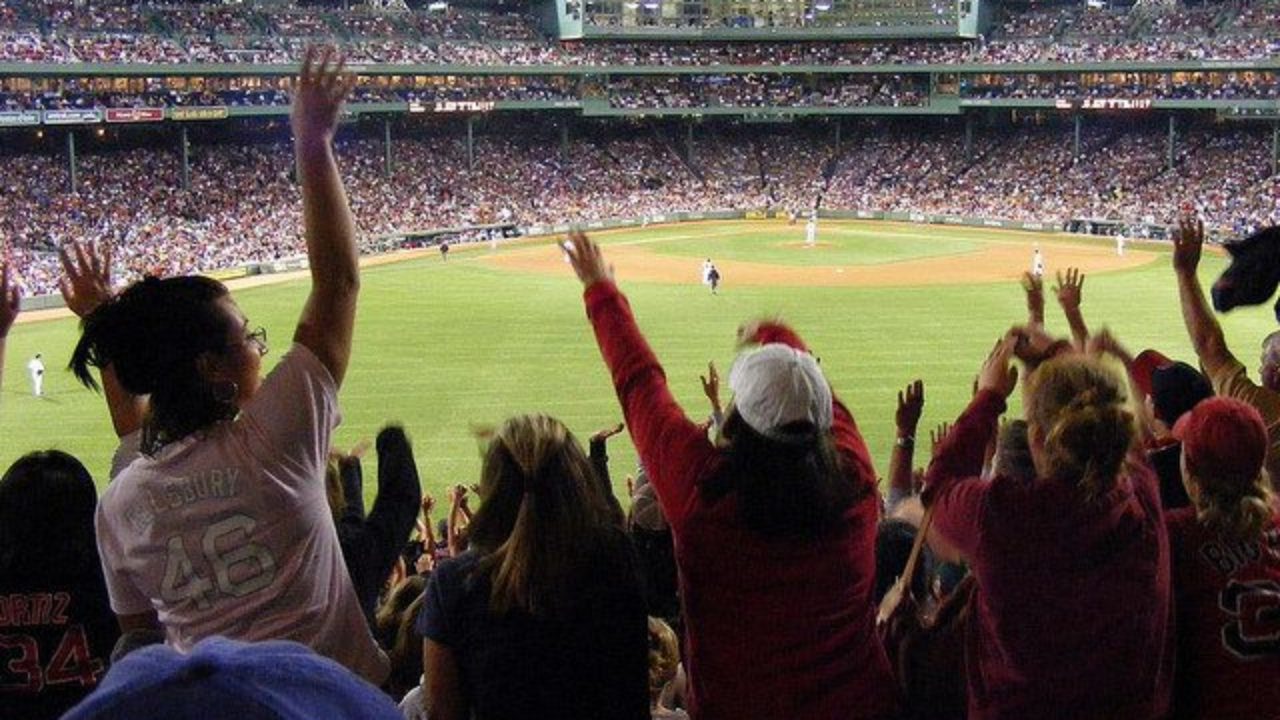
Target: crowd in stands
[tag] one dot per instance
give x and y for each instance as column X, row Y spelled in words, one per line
column 65, row 32
column 528, row 177
column 1113, row 552
column 687, row 91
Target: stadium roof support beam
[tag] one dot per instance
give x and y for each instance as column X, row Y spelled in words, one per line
column 968, row 137
column 386, row 147
column 1075, row 136
column 564, row 141
column 1275, row 147
column 688, row 142
column 71, row 160
column 471, row 143
column 186, row 158
column 1173, row 141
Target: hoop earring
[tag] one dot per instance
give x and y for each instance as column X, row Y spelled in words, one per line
column 226, row 392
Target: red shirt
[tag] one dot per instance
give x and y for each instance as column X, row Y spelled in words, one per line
column 1073, row 612
column 1228, row 600
column 775, row 628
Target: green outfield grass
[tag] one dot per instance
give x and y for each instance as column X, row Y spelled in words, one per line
column 440, row 347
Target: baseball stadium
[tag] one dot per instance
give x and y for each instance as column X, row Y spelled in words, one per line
column 466, row 345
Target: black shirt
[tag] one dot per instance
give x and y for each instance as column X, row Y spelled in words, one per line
column 588, row 662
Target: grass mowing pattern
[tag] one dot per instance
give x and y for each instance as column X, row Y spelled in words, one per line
column 440, row 347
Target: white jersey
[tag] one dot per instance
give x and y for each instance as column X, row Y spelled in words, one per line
column 1037, row 264
column 228, row 531
column 706, row 272
column 811, row 231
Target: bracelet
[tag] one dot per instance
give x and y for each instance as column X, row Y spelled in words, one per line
column 905, row 441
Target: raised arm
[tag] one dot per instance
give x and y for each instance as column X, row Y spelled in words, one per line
column 1105, row 342
column 1033, row 286
column 599, row 454
column 671, row 447
column 951, row 486
column 85, row 284
column 1202, row 326
column 10, row 300
column 907, row 418
column 328, row 319
column 1068, row 291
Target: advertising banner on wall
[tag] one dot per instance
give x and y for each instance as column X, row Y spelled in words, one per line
column 134, row 115
column 72, row 117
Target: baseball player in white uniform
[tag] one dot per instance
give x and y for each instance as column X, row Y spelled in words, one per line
column 811, row 231
column 1037, row 263
column 35, row 370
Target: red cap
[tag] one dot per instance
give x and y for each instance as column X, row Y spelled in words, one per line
column 1144, row 365
column 1223, row 439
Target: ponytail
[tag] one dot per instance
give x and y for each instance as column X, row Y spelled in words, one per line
column 152, row 336
column 1239, row 514
column 1078, row 405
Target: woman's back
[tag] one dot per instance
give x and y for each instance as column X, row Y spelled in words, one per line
column 1073, row 608
column 587, row 660
column 780, row 625
column 1228, row 599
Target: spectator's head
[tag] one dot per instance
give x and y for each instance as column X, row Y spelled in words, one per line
column 1224, row 446
column 781, row 460
column 405, row 649
column 275, row 680
column 664, row 657
column 1269, row 371
column 1013, row 452
column 1172, row 388
column 47, row 501
column 1078, row 427
column 541, row 510
column 182, row 341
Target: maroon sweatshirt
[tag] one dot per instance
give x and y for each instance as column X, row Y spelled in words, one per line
column 775, row 628
column 1073, row 612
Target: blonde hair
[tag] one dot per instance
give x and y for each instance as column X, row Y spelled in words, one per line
column 1238, row 511
column 541, row 515
column 333, row 488
column 664, row 657
column 1076, row 406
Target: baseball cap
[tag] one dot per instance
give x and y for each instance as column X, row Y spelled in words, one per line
column 776, row 385
column 1174, row 386
column 275, row 680
column 1223, row 439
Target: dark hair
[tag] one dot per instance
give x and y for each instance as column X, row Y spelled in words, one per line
column 153, row 335
column 797, row 490
column 47, row 503
column 542, row 522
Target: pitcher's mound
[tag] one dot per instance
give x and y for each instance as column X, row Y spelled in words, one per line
column 804, row 246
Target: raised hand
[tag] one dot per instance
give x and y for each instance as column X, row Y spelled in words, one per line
column 1105, row 342
column 997, row 372
column 587, row 260
column 1188, row 240
column 10, row 300
column 428, row 504
column 318, row 93
column 606, row 433
column 1033, row 285
column 711, row 385
column 1068, row 288
column 910, row 405
column 1031, row 345
column 86, row 276
column 936, row 436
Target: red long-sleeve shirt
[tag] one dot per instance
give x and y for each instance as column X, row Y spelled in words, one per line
column 775, row 628
column 1073, row 611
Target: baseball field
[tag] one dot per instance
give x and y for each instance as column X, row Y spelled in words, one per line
column 445, row 346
